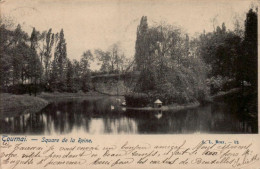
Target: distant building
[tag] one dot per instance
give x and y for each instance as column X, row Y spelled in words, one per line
column 157, row 104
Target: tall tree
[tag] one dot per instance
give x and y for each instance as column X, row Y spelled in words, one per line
column 19, row 46
column 111, row 60
column 47, row 52
column 85, row 60
column 141, row 46
column 69, row 76
column 60, row 56
column 76, row 75
column 5, row 56
column 250, row 47
column 54, row 74
column 117, row 57
column 104, row 58
column 35, row 64
column 167, row 70
column 219, row 50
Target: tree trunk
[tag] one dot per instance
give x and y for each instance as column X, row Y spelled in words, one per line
column 35, row 87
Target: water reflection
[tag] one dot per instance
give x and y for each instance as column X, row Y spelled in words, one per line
column 158, row 114
column 105, row 116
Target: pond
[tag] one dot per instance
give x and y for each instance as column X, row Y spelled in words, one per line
column 104, row 115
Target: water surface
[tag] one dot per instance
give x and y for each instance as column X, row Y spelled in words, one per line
column 106, row 116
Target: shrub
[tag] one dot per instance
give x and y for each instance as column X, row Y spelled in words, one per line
column 137, row 99
column 201, row 96
column 230, row 84
column 219, row 83
column 26, row 88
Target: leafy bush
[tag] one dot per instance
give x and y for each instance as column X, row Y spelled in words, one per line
column 201, row 96
column 219, row 83
column 230, row 84
column 137, row 99
column 26, row 88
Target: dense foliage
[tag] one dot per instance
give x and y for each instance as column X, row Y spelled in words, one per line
column 39, row 62
column 168, row 70
column 173, row 67
column 137, row 99
column 176, row 69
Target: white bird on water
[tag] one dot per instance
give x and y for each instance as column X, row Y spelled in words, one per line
column 158, row 115
column 112, row 107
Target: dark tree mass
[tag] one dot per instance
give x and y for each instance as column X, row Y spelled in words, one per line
column 171, row 65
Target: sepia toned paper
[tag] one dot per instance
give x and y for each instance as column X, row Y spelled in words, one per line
column 60, row 137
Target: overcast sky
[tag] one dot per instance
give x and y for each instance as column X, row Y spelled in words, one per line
column 98, row 24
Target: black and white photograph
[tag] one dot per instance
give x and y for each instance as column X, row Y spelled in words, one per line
column 122, row 67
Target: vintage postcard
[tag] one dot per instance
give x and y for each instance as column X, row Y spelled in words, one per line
column 129, row 84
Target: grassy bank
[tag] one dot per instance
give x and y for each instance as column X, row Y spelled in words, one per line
column 13, row 105
column 57, row 95
column 64, row 96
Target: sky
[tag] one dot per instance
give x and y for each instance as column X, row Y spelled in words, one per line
column 93, row 24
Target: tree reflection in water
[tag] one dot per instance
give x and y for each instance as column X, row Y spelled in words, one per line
column 94, row 116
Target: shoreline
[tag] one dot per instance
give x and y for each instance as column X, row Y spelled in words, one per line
column 167, row 107
column 60, row 96
column 13, row 105
column 222, row 94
